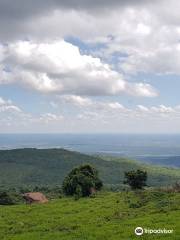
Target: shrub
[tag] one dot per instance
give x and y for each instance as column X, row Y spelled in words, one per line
column 81, row 181
column 5, row 198
column 136, row 179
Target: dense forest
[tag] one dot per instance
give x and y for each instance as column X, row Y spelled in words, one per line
column 42, row 167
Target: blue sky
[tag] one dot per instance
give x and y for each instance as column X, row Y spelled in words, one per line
column 70, row 68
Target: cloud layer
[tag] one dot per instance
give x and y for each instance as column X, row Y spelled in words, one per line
column 86, row 65
column 60, row 68
column 89, row 114
column 146, row 31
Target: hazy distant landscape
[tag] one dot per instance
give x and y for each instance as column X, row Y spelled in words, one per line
column 45, row 159
column 156, row 149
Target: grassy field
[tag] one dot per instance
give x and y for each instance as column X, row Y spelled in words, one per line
column 108, row 216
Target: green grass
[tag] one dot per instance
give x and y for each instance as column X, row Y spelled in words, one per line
column 108, row 216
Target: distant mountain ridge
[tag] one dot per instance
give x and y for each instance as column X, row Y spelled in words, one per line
column 34, row 167
column 170, row 161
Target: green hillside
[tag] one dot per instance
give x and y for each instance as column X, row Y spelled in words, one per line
column 108, row 216
column 37, row 167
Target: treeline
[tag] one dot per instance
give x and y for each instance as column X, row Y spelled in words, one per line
column 82, row 181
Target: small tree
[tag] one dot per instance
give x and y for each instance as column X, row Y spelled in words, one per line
column 5, row 198
column 136, row 179
column 81, row 180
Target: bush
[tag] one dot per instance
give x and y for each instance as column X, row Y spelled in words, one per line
column 136, row 179
column 5, row 198
column 82, row 181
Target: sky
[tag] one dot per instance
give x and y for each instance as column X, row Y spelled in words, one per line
column 90, row 66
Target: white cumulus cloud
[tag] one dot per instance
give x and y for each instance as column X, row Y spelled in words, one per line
column 59, row 67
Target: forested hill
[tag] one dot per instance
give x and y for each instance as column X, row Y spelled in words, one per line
column 21, row 167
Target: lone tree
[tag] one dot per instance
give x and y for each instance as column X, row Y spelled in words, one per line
column 136, row 179
column 5, row 198
column 82, row 181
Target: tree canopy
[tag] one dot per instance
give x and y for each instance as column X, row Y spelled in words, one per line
column 81, row 181
column 136, row 179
